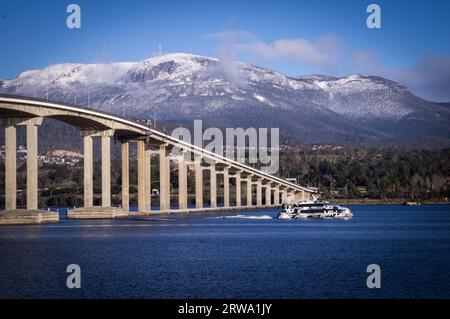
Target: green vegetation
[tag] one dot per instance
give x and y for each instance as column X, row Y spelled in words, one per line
column 371, row 173
column 342, row 173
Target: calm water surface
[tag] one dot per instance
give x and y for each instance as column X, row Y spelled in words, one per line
column 203, row 256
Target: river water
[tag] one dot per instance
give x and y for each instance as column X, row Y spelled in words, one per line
column 241, row 254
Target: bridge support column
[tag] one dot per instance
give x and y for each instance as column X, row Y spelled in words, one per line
column 268, row 195
column 259, row 193
column 31, row 215
column 32, row 162
column 213, row 184
column 308, row 195
column 88, row 171
column 226, row 187
column 10, row 167
column 164, row 179
column 182, row 182
column 284, row 196
column 141, row 174
column 249, row 191
column 148, row 179
column 198, row 185
column 291, row 196
column 238, row 189
column 125, row 176
column 106, row 169
column 276, row 196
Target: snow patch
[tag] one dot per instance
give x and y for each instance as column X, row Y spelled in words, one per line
column 260, row 98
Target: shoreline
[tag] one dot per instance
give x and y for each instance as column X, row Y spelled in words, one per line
column 382, row 201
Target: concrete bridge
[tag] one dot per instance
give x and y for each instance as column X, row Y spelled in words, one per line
column 16, row 110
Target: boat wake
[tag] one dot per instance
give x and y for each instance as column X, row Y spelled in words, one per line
column 247, row 216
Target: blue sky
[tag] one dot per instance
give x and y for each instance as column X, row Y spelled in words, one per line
column 292, row 37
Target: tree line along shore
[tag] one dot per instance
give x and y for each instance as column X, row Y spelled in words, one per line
column 351, row 175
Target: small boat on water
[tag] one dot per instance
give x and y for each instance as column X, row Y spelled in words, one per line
column 314, row 209
column 411, row 204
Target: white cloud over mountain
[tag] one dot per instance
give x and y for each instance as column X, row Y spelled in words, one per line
column 428, row 78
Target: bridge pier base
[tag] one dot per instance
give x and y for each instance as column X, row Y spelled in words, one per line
column 27, row 216
column 96, row 212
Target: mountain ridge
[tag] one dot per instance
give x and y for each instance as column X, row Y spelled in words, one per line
column 355, row 109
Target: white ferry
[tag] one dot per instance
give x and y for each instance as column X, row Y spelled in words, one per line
column 314, row 209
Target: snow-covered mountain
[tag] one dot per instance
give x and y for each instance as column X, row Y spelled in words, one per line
column 181, row 87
